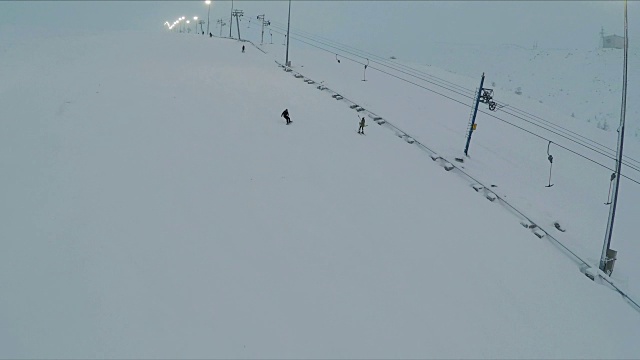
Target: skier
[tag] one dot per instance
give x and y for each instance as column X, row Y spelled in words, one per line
column 210, row 35
column 361, row 128
column 285, row 115
column 242, row 48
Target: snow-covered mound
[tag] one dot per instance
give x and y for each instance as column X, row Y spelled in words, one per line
column 155, row 205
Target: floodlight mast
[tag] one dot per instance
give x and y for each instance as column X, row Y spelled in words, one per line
column 604, row 258
column 208, row 2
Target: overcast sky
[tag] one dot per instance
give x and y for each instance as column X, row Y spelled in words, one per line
column 379, row 26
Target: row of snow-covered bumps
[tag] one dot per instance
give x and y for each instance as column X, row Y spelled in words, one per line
column 527, row 224
column 379, row 120
column 491, row 196
column 336, row 96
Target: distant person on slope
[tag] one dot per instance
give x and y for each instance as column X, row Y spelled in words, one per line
column 285, row 115
column 361, row 128
column 210, row 35
column 242, row 48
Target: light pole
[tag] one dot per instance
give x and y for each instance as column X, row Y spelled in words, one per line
column 286, row 61
column 605, row 258
column 208, row 2
column 195, row 23
column 188, row 26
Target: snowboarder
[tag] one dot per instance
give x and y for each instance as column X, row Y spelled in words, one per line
column 361, row 128
column 242, row 48
column 285, row 115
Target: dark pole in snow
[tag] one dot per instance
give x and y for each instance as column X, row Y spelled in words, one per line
column 238, row 14
column 208, row 17
column 231, row 19
column 473, row 120
column 286, row 60
column 261, row 18
column 604, row 259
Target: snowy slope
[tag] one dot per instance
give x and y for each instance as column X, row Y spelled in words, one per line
column 585, row 83
column 156, row 205
column 502, row 154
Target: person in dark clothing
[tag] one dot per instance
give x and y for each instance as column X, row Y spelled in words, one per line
column 285, row 115
column 210, row 35
column 242, row 48
column 362, row 125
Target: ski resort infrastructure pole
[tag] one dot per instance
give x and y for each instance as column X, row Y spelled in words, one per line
column 261, row 18
column 286, row 60
column 222, row 23
column 231, row 19
column 208, row 2
column 604, row 259
column 238, row 14
column 473, row 120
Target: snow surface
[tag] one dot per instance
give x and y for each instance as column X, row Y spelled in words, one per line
column 585, row 83
column 513, row 160
column 156, row 206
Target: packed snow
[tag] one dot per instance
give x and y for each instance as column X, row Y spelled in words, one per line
column 577, row 83
column 520, row 173
column 157, row 206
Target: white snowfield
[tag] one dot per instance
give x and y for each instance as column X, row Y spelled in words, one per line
column 584, row 82
column 155, row 205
